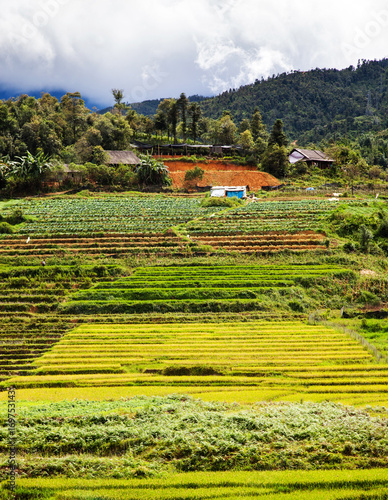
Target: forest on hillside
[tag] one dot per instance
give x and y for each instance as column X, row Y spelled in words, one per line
column 341, row 112
column 314, row 105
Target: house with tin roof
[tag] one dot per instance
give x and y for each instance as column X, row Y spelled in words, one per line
column 313, row 157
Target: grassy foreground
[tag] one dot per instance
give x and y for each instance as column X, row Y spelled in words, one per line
column 290, row 485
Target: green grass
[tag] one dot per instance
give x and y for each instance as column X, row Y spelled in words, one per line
column 289, row 485
column 200, row 288
column 162, row 434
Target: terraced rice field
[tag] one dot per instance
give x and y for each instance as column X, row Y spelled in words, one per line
column 39, row 247
column 29, row 298
column 169, row 331
column 273, row 485
column 288, row 361
column 193, row 288
column 263, row 242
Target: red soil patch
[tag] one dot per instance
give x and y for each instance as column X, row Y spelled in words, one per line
column 218, row 173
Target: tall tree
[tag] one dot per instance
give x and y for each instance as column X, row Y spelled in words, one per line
column 74, row 111
column 118, row 96
column 183, row 104
column 275, row 161
column 173, row 115
column 161, row 117
column 258, row 128
column 275, row 158
column 195, row 115
column 277, row 135
column 227, row 129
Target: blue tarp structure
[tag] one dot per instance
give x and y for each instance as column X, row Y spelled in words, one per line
column 234, row 194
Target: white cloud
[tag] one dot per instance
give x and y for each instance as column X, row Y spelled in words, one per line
column 158, row 48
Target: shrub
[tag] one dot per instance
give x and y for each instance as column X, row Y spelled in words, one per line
column 16, row 217
column 194, row 174
column 214, row 201
column 349, row 247
column 6, row 228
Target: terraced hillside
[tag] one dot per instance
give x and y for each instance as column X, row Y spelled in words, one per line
column 147, row 302
column 287, row 361
column 135, row 214
column 140, row 225
column 194, row 288
column 112, row 244
column 285, row 216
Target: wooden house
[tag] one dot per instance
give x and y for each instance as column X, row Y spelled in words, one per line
column 313, row 158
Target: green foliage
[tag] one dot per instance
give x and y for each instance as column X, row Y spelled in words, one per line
column 29, row 166
column 152, row 172
column 6, row 228
column 246, row 140
column 339, row 110
column 216, row 201
column 366, row 237
column 100, row 157
column 192, row 435
column 16, row 217
column 275, row 161
column 194, row 174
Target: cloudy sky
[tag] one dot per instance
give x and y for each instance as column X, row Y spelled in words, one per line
column 160, row 48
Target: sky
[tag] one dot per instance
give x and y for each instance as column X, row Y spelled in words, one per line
column 159, row 48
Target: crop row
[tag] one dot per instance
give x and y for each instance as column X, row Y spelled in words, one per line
column 261, row 354
column 290, row 216
column 114, row 214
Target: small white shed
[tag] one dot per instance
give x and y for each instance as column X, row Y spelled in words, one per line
column 229, row 191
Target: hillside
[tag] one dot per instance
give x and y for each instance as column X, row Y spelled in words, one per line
column 153, row 345
column 149, row 107
column 317, row 104
column 218, row 173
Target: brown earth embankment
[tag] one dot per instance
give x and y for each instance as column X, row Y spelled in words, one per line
column 219, row 173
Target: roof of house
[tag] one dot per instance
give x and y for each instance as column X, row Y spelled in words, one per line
column 122, row 158
column 308, row 155
column 229, row 188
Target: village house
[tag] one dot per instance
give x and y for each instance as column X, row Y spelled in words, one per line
column 116, row 158
column 313, row 158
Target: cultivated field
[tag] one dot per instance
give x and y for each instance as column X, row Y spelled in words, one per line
column 147, row 302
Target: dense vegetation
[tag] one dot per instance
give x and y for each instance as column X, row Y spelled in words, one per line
column 143, row 436
column 340, row 111
column 314, row 105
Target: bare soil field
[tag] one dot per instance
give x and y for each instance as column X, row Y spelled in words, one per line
column 219, row 173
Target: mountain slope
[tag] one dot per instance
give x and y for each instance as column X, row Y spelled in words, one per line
column 322, row 103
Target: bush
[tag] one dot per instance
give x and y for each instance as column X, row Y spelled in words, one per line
column 6, row 228
column 349, row 247
column 214, row 201
column 16, row 217
column 194, row 174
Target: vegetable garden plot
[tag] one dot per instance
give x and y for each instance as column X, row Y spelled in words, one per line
column 110, row 215
column 288, row 216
